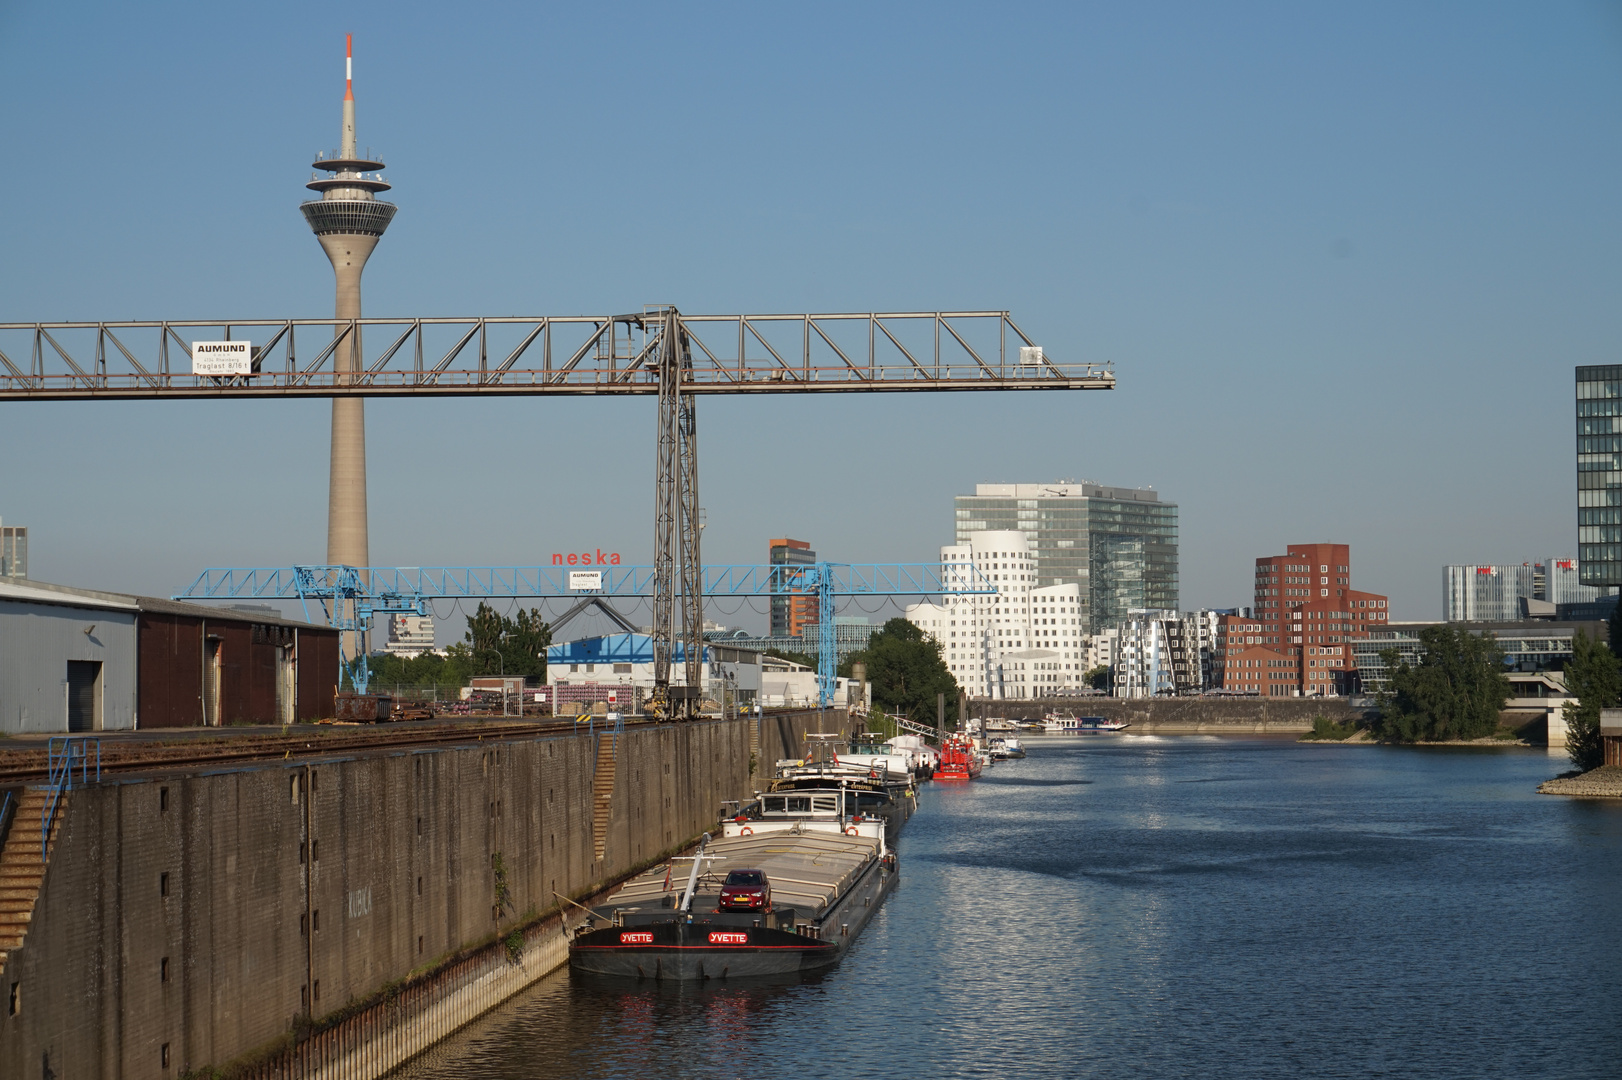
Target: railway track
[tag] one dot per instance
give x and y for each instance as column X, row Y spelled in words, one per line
column 131, row 755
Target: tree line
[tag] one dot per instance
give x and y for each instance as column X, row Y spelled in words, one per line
column 494, row 644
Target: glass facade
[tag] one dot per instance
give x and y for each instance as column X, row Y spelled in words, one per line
column 1118, row 544
column 1599, row 474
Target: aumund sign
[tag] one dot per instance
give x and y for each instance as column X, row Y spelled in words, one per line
column 221, row 358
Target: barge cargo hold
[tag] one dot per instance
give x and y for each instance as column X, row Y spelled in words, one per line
column 825, row 887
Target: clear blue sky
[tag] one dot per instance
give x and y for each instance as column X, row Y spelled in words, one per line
column 1343, row 257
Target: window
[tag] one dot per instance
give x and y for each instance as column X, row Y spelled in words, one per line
column 163, row 884
column 163, row 970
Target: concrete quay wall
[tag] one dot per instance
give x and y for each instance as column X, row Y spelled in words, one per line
column 1191, row 716
column 190, row 920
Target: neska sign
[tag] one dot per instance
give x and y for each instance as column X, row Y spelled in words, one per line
column 584, row 558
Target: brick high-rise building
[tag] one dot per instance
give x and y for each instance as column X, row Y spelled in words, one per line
column 1306, row 616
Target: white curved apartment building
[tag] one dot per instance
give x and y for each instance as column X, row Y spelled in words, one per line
column 1023, row 642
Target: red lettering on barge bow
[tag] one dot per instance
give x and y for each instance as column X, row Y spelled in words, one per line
column 718, row 938
column 636, row 937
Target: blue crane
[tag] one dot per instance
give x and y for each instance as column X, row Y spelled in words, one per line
column 351, row 595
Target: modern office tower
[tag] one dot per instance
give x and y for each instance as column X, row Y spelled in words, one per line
column 1025, row 641
column 1599, row 474
column 1308, row 615
column 1118, row 544
column 348, row 220
column 1509, row 593
column 791, row 612
column 13, row 551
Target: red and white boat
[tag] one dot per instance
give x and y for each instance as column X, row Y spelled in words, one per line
column 959, row 760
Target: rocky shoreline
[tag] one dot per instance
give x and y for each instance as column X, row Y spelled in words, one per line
column 1603, row 782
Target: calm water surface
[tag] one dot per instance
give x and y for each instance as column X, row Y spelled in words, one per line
column 1168, row 907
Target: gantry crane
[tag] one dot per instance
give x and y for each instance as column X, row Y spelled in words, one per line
column 656, row 351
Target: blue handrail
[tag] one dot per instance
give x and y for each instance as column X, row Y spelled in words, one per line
column 61, row 753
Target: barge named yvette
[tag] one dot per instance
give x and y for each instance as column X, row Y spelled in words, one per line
column 824, row 887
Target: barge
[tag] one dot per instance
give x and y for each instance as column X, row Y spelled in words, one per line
column 823, row 889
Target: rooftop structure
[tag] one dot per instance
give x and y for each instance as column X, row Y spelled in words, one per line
column 13, row 551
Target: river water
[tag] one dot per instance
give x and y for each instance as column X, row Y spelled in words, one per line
column 1168, row 907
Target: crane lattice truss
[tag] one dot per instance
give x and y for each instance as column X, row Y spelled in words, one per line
column 657, row 351
column 374, row 590
column 573, row 354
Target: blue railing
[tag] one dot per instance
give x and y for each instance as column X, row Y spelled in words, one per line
column 62, row 755
column 5, row 812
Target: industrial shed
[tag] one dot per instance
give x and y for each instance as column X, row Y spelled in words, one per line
column 67, row 659
column 152, row 663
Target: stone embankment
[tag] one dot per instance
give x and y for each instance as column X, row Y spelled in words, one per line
column 1603, row 782
column 1187, row 716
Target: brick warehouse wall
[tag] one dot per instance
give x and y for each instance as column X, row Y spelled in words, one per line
column 323, row 881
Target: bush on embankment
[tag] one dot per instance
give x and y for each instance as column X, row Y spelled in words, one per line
column 1327, row 730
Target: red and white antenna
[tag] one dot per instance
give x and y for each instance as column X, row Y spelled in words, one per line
column 349, row 67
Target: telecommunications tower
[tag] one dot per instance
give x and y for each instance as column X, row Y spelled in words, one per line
column 348, row 220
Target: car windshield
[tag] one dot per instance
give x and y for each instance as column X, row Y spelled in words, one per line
column 746, row 877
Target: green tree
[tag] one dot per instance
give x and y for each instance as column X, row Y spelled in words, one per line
column 1456, row 691
column 499, row 645
column 1097, row 678
column 1594, row 678
column 906, row 671
column 421, row 671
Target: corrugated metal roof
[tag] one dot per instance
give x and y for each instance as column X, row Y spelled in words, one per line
column 32, row 593
column 41, row 592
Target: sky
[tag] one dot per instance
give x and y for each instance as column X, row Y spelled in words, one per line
column 1342, row 258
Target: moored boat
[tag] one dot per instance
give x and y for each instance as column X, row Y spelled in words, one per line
column 959, row 760
column 820, row 890
column 1062, row 724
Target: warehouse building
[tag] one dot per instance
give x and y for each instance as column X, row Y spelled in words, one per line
column 76, row 660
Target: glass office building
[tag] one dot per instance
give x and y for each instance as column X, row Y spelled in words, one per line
column 1599, row 474
column 1118, row 544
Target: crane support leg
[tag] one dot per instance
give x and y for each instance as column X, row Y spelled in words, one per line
column 677, row 564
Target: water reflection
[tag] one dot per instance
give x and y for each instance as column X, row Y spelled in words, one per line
column 1102, row 908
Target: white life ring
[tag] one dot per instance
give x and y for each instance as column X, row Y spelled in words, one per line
column 746, row 831
column 851, row 830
